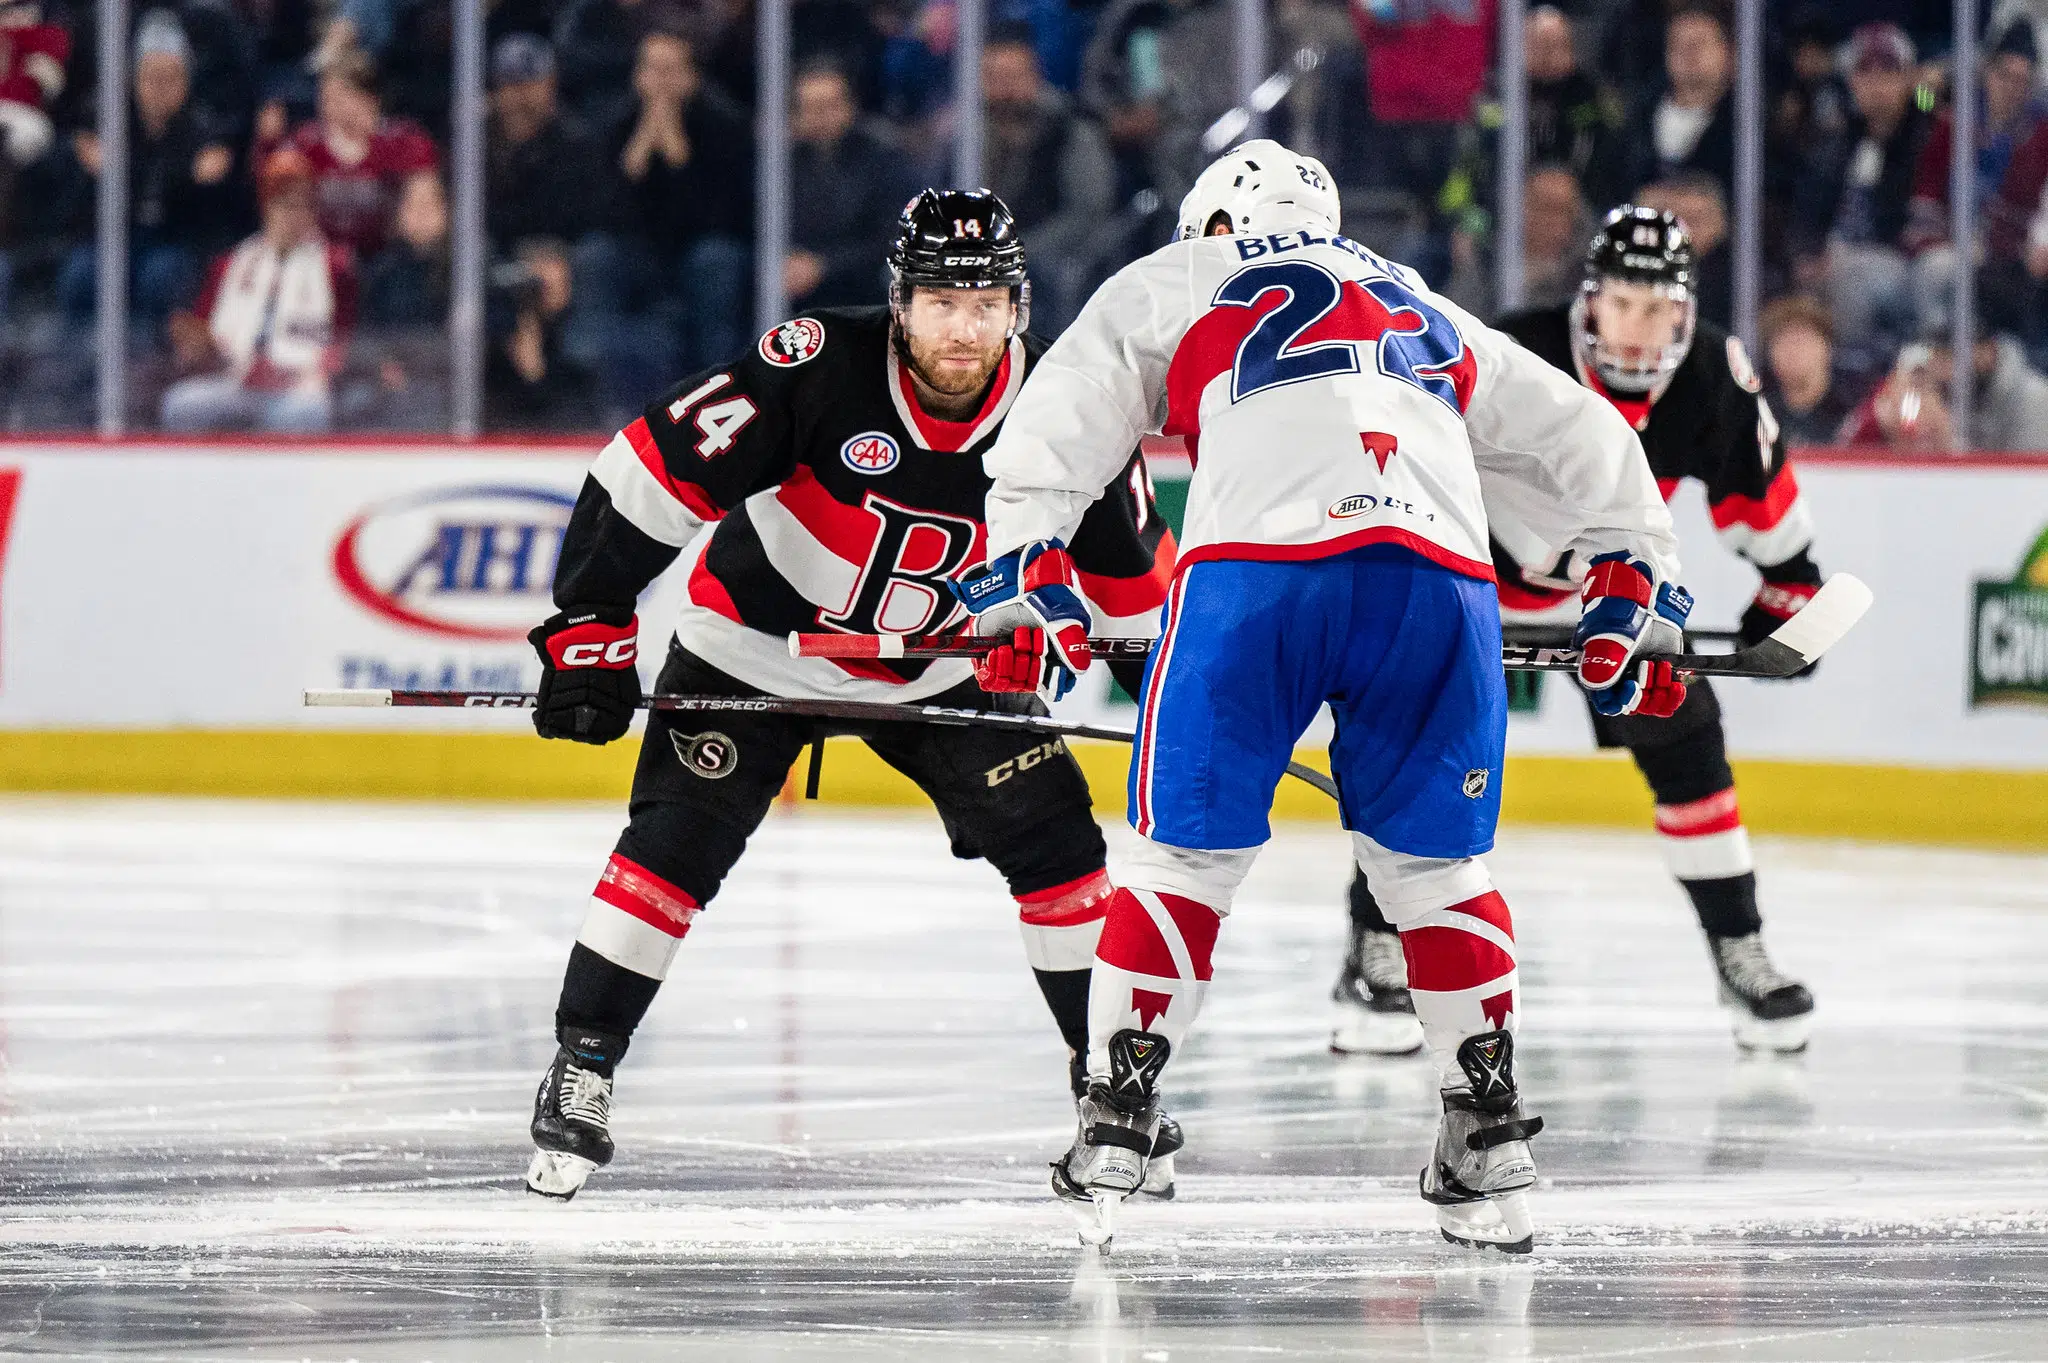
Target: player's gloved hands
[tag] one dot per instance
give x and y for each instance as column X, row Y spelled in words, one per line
column 1775, row 603
column 1032, row 590
column 1625, row 611
column 589, row 686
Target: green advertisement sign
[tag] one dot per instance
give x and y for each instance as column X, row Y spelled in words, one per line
column 2009, row 635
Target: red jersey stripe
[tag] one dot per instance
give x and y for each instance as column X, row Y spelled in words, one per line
column 707, row 591
column 846, row 531
column 1122, row 596
column 1435, row 553
column 1759, row 513
column 682, row 489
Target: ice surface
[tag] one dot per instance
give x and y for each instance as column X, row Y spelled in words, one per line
column 267, row 1072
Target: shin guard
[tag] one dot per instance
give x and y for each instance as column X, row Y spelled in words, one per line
column 1152, row 969
column 1461, row 975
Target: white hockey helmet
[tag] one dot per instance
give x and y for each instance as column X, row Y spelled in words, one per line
column 1260, row 186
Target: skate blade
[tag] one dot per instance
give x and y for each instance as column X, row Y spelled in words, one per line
column 1357, row 1030
column 1096, row 1218
column 1499, row 1223
column 1778, row 1036
column 1158, row 1178
column 558, row 1175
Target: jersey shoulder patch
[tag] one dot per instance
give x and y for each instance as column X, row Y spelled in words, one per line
column 789, row 344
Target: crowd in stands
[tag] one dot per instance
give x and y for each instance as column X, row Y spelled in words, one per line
column 290, row 221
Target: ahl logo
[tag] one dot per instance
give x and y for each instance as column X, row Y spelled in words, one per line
column 795, row 341
column 470, row 563
column 2009, row 635
column 870, row 452
column 1353, row 506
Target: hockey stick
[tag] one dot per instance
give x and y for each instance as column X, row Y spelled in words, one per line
column 1819, row 626
column 1559, row 635
column 857, row 711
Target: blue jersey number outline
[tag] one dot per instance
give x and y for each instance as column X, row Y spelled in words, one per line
column 1267, row 357
column 1271, row 357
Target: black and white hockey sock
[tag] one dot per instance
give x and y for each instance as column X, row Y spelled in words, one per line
column 629, row 936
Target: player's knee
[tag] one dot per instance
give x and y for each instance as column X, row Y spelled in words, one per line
column 1062, row 924
column 1693, row 768
column 1208, row 877
column 1408, row 888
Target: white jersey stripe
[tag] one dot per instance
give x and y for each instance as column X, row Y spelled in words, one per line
column 640, row 498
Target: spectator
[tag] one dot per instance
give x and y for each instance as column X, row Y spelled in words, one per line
column 682, row 157
column 405, row 295
column 529, row 383
column 2007, row 118
column 595, row 43
column 1910, row 411
column 1424, row 68
column 1814, row 108
column 1574, row 120
column 1052, row 167
column 1854, row 193
column 854, row 188
column 360, row 158
column 1690, row 125
column 272, row 324
column 1697, row 200
column 1147, row 77
column 32, row 63
column 537, row 167
column 1799, row 376
column 1555, row 228
column 179, row 190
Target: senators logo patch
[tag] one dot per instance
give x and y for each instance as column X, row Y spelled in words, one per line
column 794, row 342
column 712, row 755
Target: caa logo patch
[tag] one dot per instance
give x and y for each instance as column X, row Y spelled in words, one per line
column 473, row 563
column 870, row 452
column 1353, row 506
column 795, row 341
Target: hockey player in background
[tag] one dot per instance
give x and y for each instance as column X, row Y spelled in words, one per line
column 1341, row 420
column 1688, row 389
column 837, row 464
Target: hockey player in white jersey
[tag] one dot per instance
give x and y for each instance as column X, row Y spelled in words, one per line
column 1341, row 420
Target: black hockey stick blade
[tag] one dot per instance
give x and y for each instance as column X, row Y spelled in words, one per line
column 851, row 711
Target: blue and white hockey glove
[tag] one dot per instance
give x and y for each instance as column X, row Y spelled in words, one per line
column 1624, row 611
column 1030, row 594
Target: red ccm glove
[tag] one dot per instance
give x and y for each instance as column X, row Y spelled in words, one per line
column 589, row 681
column 1015, row 667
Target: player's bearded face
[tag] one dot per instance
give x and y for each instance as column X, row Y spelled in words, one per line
column 1635, row 321
column 957, row 337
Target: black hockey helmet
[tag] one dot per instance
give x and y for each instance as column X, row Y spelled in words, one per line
column 958, row 238
column 1638, row 245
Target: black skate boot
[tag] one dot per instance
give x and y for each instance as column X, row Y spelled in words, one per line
column 1477, row 1176
column 1770, row 1011
column 1373, row 1013
column 572, row 1113
column 1119, row 1129
column 1159, row 1175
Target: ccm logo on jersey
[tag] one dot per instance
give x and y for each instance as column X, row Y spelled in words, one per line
column 1025, row 761
column 870, row 452
column 617, row 653
column 795, row 341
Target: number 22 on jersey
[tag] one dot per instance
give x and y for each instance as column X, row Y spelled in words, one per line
column 1283, row 322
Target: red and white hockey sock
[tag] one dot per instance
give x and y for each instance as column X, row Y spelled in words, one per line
column 1151, row 969
column 1704, row 839
column 1061, row 925
column 1461, row 975
column 636, row 919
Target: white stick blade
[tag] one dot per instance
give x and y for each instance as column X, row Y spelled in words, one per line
column 348, row 699
column 1832, row 613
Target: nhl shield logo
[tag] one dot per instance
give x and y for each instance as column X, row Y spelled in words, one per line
column 711, row 755
column 1475, row 782
column 792, row 343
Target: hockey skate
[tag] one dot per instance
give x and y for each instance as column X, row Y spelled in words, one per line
column 1478, row 1175
column 572, row 1113
column 1373, row 1014
column 1119, row 1122
column 1770, row 1012
column 1159, row 1172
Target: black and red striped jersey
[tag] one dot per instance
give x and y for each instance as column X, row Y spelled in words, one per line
column 801, row 487
column 1710, row 423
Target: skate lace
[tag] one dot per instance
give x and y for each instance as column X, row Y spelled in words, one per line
column 586, row 1097
column 1381, row 961
column 1745, row 966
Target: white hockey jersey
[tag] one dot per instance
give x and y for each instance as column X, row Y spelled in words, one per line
column 1328, row 400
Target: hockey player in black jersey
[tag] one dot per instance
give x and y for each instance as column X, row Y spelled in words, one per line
column 1688, row 389
column 829, row 478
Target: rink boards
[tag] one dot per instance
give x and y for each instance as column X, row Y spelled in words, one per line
column 163, row 606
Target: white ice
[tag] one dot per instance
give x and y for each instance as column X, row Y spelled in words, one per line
column 268, row 1067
